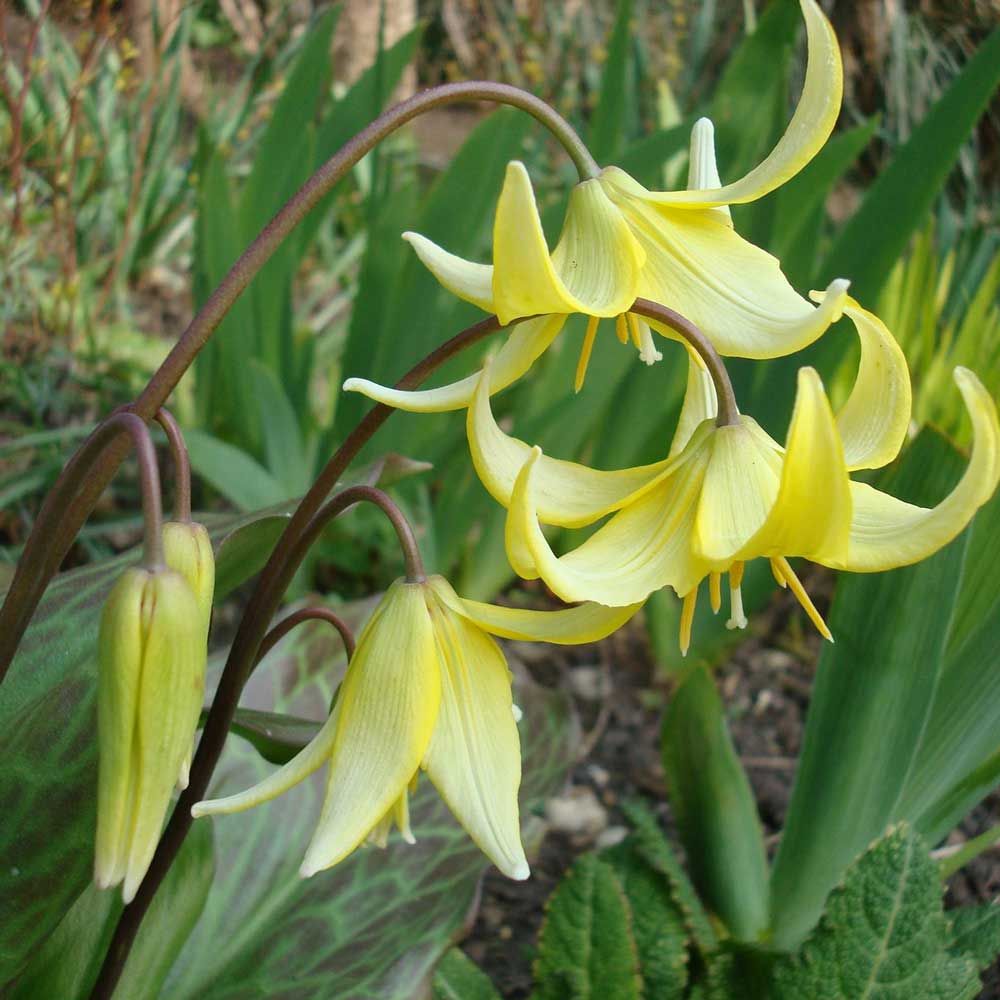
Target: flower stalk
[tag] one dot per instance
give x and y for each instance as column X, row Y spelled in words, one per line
column 71, row 501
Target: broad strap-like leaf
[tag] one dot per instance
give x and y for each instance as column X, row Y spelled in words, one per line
column 586, row 944
column 714, row 807
column 883, row 935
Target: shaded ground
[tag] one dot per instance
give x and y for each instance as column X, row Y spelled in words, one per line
column 765, row 683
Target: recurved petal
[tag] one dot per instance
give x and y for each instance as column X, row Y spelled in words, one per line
column 585, row 623
column 527, row 341
column 810, row 127
column 886, row 532
column 593, row 270
column 464, row 278
column 811, row 515
column 874, row 420
column 309, row 759
column 734, row 291
column 644, row 547
column 474, row 758
column 565, row 493
column 388, row 707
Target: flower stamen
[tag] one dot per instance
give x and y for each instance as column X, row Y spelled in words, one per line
column 621, row 328
column 800, row 592
column 715, row 591
column 687, row 618
column 779, row 577
column 585, row 352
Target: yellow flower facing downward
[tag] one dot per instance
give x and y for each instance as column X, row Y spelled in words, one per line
column 729, row 494
column 151, row 673
column 427, row 689
column 621, row 241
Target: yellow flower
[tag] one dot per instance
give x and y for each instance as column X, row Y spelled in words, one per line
column 728, row 494
column 621, row 242
column 427, row 688
column 151, row 672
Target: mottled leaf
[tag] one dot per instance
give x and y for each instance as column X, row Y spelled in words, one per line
column 66, row 965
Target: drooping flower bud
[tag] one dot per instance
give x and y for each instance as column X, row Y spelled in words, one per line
column 151, row 669
column 187, row 549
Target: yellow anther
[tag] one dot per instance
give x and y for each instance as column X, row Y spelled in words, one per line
column 621, row 328
column 800, row 592
column 687, row 617
column 778, row 575
column 715, row 591
column 585, row 351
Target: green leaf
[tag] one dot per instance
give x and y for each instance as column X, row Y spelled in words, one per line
column 800, row 208
column 66, row 965
column 975, row 933
column 238, row 476
column 653, row 847
column 373, row 926
column 899, row 200
column 245, row 550
column 657, row 923
column 284, row 452
column 958, row 761
column 276, row 737
column 714, row 807
column 296, row 108
column 361, row 104
column 873, row 695
column 883, row 934
column 607, row 129
column 586, row 938
column 459, row 978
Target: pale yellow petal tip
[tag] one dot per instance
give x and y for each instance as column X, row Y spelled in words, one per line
column 131, row 887
column 203, row 808
column 519, row 871
column 307, row 870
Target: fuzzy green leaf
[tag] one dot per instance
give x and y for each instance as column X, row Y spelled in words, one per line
column 975, row 933
column 657, row 923
column 652, row 845
column 459, row 978
column 586, row 941
column 883, row 935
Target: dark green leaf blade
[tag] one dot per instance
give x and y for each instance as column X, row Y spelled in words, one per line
column 714, row 808
column 975, row 933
